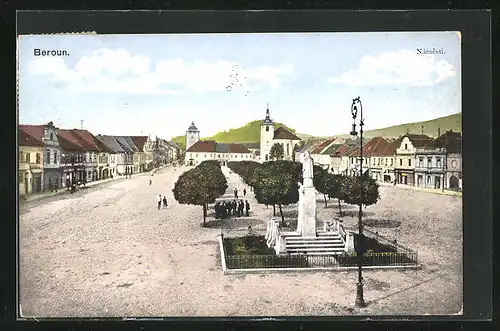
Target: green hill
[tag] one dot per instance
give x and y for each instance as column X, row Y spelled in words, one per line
column 430, row 128
column 248, row 133
column 251, row 131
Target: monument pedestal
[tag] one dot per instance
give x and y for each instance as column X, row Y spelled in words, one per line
column 306, row 223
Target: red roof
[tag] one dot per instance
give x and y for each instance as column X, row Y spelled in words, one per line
column 323, row 145
column 200, row 146
column 283, row 133
column 28, row 140
column 139, row 141
column 375, row 146
column 73, row 142
column 238, row 148
column 68, row 145
column 36, row 131
column 86, row 139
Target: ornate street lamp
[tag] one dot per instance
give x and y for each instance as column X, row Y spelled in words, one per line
column 356, row 105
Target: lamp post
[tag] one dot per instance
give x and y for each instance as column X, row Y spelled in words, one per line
column 356, row 105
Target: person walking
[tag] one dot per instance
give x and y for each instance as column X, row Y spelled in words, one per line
column 236, row 194
column 165, row 205
column 244, row 192
column 159, row 201
column 247, row 208
column 241, row 207
column 234, row 207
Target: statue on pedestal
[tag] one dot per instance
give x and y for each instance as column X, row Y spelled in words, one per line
column 307, row 168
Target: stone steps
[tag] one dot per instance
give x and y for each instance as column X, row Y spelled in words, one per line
column 324, row 244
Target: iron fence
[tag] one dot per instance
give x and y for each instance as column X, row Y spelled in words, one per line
column 386, row 241
column 388, row 259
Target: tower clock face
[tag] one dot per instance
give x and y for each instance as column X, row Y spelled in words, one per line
column 454, row 164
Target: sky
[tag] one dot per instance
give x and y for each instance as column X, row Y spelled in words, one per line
column 159, row 84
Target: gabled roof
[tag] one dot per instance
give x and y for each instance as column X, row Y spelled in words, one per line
column 332, row 149
column 283, row 133
column 450, row 140
column 69, row 141
column 90, row 141
column 36, row 131
column 418, row 140
column 139, row 141
column 238, row 148
column 375, row 146
column 201, row 146
column 324, row 144
column 28, row 140
column 111, row 143
column 123, row 144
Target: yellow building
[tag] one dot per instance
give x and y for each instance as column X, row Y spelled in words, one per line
column 30, row 164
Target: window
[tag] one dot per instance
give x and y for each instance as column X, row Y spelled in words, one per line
column 386, row 162
column 428, row 179
column 287, row 149
column 378, row 161
column 409, row 162
column 429, row 162
column 392, row 161
column 267, row 128
column 267, row 157
column 420, row 161
column 21, row 177
column 55, row 157
column 400, row 162
column 438, row 162
column 21, row 157
column 205, row 156
column 406, row 146
column 47, row 157
column 38, row 156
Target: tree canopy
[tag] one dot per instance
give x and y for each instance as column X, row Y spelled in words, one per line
column 200, row 185
column 365, row 188
column 277, row 151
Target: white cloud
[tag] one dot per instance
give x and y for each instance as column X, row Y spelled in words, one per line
column 402, row 67
column 111, row 71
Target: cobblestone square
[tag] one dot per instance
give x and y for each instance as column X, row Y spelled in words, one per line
column 108, row 251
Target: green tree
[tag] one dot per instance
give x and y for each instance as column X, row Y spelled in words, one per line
column 277, row 151
column 274, row 185
column 319, row 181
column 335, row 187
column 200, row 186
column 296, row 148
column 365, row 188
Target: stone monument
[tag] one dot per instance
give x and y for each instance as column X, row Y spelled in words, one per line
column 306, row 222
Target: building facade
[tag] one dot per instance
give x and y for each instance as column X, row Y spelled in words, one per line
column 270, row 136
column 430, row 167
column 405, row 157
column 30, row 175
column 204, row 150
column 192, row 135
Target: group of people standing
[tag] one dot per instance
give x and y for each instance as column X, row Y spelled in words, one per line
column 227, row 208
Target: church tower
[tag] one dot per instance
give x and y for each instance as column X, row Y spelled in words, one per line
column 266, row 137
column 192, row 136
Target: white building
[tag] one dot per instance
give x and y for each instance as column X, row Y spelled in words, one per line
column 198, row 150
column 270, row 136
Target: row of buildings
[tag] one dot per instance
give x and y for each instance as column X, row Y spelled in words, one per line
column 50, row 157
column 411, row 159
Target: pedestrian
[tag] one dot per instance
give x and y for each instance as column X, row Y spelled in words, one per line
column 247, row 207
column 236, row 194
column 228, row 205
column 234, row 207
column 51, row 187
column 165, row 205
column 241, row 207
column 217, row 210
column 244, row 192
column 159, row 201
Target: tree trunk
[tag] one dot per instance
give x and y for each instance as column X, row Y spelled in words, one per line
column 282, row 217
column 326, row 205
column 274, row 210
column 340, row 208
column 204, row 214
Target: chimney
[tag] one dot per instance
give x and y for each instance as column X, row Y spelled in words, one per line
column 439, row 132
